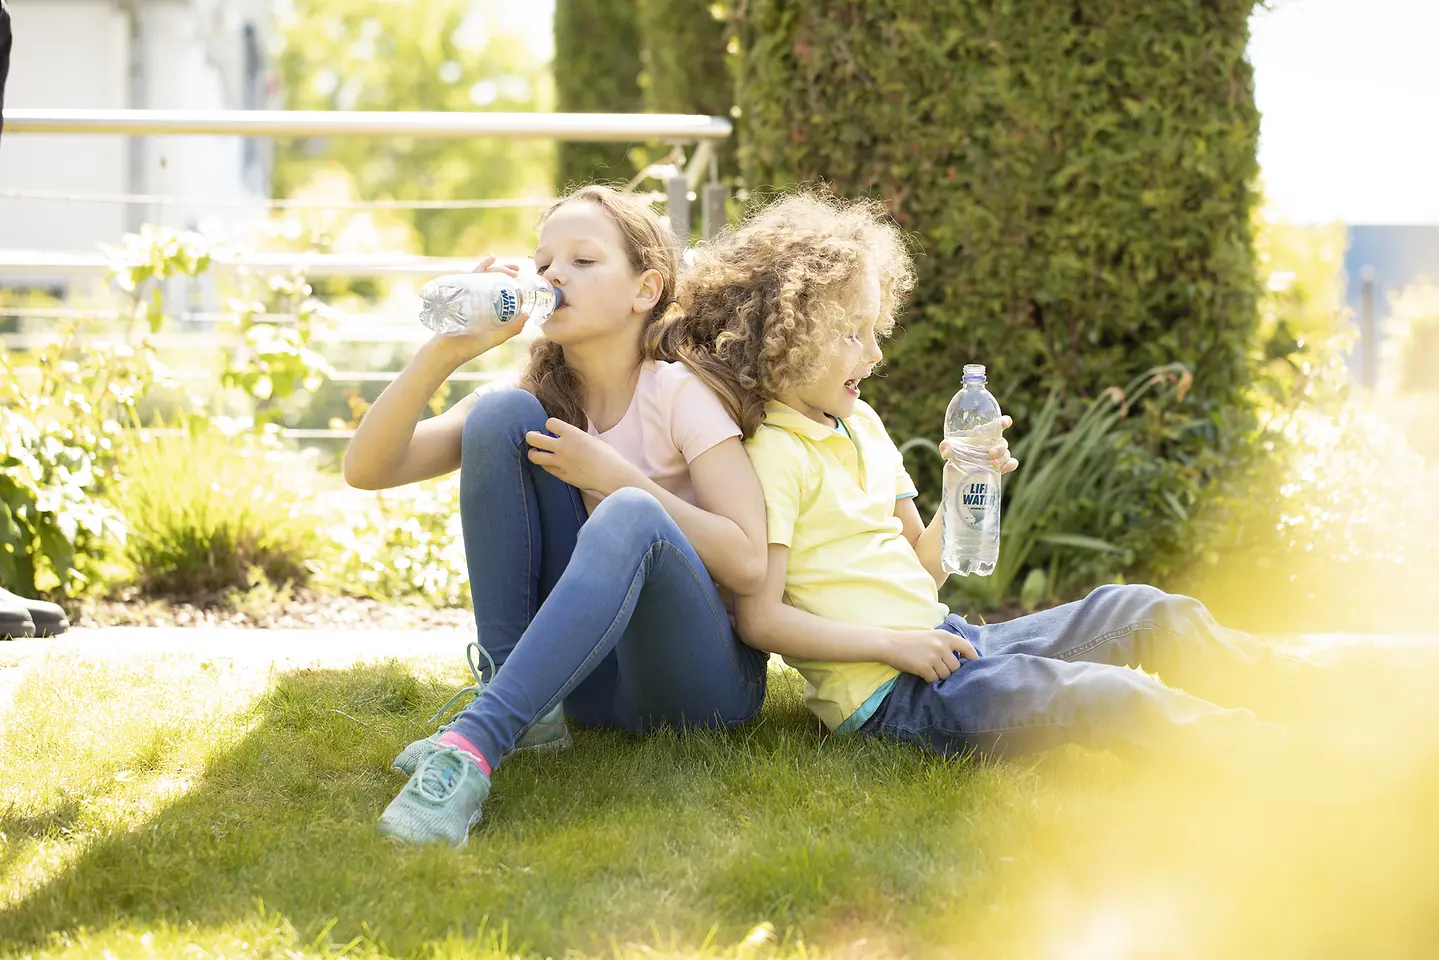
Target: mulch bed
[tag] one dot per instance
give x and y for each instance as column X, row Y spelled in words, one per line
column 305, row 609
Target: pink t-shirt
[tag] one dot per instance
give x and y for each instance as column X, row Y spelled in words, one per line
column 672, row 419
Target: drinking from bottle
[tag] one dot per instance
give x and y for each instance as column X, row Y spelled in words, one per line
column 459, row 302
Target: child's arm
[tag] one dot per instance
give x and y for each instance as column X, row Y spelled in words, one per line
column 767, row 623
column 392, row 447
column 925, row 539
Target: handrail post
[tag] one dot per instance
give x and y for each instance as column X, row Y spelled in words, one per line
column 677, row 191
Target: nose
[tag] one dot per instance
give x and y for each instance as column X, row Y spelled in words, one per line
column 554, row 275
column 872, row 354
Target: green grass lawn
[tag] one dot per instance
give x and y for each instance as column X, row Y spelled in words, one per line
column 183, row 808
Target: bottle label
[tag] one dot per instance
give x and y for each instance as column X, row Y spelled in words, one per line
column 979, row 499
column 504, row 304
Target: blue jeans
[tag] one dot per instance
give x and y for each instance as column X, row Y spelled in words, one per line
column 1060, row 677
column 615, row 614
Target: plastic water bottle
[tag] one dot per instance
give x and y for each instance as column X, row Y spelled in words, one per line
column 458, row 302
column 969, row 524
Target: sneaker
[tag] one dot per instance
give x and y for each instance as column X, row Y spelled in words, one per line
column 440, row 803
column 549, row 733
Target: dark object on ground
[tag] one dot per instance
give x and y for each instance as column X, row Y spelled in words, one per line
column 15, row 622
column 47, row 619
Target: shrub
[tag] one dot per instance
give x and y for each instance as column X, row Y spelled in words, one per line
column 686, row 69
column 206, row 511
column 401, row 544
column 597, row 70
column 1078, row 182
column 58, row 434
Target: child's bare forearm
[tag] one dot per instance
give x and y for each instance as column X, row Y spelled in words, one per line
column 382, row 440
column 927, row 547
column 791, row 632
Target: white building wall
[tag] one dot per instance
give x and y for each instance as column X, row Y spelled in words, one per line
column 76, row 53
column 195, row 61
column 67, row 53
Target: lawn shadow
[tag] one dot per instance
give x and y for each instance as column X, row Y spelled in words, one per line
column 286, row 817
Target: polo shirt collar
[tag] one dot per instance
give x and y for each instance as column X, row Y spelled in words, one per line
column 782, row 415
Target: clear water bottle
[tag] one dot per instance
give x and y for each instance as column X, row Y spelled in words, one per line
column 969, row 523
column 458, row 302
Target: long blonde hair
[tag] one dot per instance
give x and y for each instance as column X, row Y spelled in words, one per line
column 764, row 303
column 649, row 245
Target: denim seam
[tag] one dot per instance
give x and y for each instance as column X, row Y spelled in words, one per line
column 714, row 615
column 1173, row 635
column 531, row 602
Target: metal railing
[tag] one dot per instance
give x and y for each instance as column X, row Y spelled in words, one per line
column 673, row 128
column 685, row 178
column 595, row 127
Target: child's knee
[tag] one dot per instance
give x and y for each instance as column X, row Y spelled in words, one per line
column 629, row 506
column 508, row 413
column 625, row 526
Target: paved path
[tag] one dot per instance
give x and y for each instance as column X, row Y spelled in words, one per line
column 262, row 649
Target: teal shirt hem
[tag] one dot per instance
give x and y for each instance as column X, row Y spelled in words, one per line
column 866, row 710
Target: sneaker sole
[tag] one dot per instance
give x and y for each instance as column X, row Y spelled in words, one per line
column 549, row 746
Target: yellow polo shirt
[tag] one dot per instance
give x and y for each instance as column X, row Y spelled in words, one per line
column 829, row 496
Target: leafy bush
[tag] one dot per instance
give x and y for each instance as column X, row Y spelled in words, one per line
column 59, row 424
column 1064, row 469
column 597, row 70
column 686, row 69
column 207, row 510
column 401, row 544
column 1332, row 522
column 1078, row 180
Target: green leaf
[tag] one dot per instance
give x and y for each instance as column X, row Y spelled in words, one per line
column 1080, row 541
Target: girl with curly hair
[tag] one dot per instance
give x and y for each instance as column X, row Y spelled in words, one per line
column 605, row 504
column 787, row 312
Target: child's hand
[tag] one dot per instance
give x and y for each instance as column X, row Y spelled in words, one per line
column 999, row 453
column 929, row 654
column 579, row 459
column 472, row 343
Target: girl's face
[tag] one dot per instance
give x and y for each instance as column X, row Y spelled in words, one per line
column 835, row 391
column 582, row 251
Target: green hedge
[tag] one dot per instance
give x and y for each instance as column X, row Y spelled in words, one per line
column 684, row 58
column 1078, row 177
column 686, row 68
column 597, row 70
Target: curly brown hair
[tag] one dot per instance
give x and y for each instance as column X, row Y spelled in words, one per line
column 649, row 245
column 765, row 302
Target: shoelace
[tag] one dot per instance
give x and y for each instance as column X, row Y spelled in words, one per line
column 439, row 774
column 478, row 687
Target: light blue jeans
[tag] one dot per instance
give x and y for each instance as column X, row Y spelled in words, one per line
column 1060, row 676
column 614, row 614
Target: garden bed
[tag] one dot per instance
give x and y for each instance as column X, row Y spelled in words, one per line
column 300, row 609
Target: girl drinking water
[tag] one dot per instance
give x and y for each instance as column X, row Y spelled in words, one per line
column 603, row 507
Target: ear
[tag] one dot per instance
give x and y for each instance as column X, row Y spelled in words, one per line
column 648, row 294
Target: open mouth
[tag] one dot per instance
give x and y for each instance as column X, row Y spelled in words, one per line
column 851, row 386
